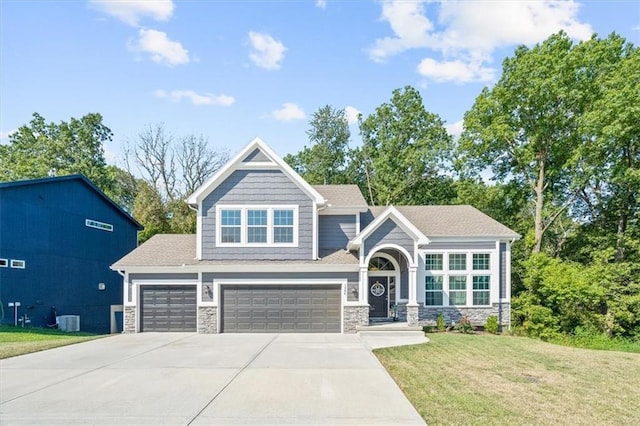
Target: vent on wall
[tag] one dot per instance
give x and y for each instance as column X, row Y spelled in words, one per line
column 68, row 322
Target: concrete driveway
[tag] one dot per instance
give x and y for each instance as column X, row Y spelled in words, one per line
column 175, row 378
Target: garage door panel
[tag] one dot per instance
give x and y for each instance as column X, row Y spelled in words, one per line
column 168, row 308
column 281, row 308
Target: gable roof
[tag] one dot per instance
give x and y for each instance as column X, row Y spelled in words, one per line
column 342, row 195
column 452, row 221
column 245, row 159
column 80, row 178
column 389, row 213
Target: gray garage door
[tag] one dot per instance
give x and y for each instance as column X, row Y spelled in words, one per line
column 168, row 308
column 281, row 309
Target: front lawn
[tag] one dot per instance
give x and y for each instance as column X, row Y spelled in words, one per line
column 19, row 341
column 485, row 379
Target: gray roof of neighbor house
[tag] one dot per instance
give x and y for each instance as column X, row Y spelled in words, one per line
column 180, row 249
column 342, row 195
column 451, row 221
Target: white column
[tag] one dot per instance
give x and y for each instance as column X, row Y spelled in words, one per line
column 362, row 293
column 413, row 294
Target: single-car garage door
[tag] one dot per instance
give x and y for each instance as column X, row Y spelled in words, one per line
column 281, row 308
column 168, row 308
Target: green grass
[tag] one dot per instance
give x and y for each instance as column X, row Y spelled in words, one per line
column 485, row 379
column 19, row 341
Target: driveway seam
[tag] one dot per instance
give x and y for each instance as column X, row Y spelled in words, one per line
column 90, row 371
column 233, row 378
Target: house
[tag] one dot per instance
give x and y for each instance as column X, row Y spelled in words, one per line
column 58, row 237
column 275, row 254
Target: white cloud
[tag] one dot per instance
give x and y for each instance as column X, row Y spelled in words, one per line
column 455, row 129
column 162, row 50
column 266, row 52
column 468, row 32
column 322, row 4
column 131, row 11
column 351, row 113
column 455, row 71
column 5, row 135
column 289, row 112
column 196, row 98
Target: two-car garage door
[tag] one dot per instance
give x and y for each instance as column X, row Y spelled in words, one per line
column 280, row 308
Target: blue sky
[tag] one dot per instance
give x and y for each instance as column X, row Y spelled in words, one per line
column 234, row 70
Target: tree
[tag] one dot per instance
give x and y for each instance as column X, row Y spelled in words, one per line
column 42, row 149
column 525, row 129
column 326, row 160
column 405, row 150
column 150, row 211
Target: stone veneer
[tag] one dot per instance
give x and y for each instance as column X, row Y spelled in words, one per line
column 413, row 315
column 207, row 319
column 477, row 315
column 129, row 319
column 354, row 316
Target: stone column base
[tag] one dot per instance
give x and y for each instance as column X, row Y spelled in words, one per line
column 129, row 319
column 208, row 319
column 412, row 315
column 354, row 316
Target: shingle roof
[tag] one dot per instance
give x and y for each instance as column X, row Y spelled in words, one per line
column 180, row 249
column 342, row 195
column 451, row 221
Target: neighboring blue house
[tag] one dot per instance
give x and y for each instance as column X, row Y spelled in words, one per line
column 58, row 237
column 275, row 254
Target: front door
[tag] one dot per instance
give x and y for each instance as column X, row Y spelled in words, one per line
column 378, row 297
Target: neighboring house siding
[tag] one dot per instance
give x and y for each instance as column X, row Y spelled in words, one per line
column 44, row 225
column 335, row 231
column 388, row 233
column 351, row 277
column 503, row 270
column 256, row 156
column 260, row 187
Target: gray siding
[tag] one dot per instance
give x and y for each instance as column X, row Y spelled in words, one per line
column 503, row 270
column 388, row 233
column 259, row 187
column 462, row 245
column 256, row 156
column 351, row 277
column 336, row 231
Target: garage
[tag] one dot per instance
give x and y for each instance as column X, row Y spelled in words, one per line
column 168, row 308
column 280, row 308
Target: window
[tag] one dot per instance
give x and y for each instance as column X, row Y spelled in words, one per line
column 257, row 225
column 230, row 226
column 20, row 264
column 433, row 262
column 481, row 290
column 457, row 261
column 457, row 290
column 283, row 226
column 98, row 225
column 481, row 261
column 433, row 290
column 4, row 263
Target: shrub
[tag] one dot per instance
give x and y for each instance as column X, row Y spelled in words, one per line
column 464, row 326
column 441, row 325
column 428, row 328
column 492, row 325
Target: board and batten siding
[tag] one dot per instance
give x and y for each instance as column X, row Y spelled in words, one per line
column 257, row 187
column 388, row 233
column 335, row 231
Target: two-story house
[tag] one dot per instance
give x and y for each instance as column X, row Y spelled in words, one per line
column 275, row 254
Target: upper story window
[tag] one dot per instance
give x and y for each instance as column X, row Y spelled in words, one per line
column 257, row 226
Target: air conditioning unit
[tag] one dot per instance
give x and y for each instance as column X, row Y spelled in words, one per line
column 68, row 322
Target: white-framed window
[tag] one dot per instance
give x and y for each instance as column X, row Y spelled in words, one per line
column 457, row 278
column 255, row 226
column 4, row 263
column 19, row 264
column 98, row 225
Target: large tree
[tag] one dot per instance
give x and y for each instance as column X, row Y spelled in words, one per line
column 326, row 160
column 405, row 151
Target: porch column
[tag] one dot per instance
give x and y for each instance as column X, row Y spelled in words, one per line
column 412, row 306
column 362, row 291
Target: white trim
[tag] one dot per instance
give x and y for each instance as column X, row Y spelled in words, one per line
column 315, row 237
column 244, row 208
column 234, row 267
column 199, row 232
column 91, row 223
column 357, row 223
column 343, row 210
column 377, row 249
column 399, row 219
column 18, row 264
column 236, row 163
column 218, row 283
column 4, row 263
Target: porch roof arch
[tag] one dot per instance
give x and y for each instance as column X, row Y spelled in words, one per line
column 376, row 251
